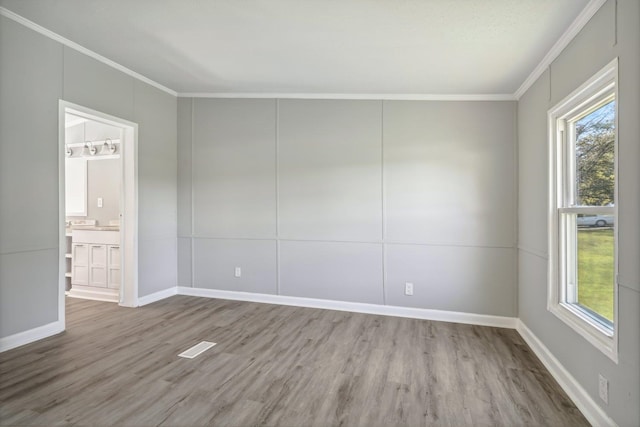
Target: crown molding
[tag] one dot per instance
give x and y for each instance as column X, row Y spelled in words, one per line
column 576, row 26
column 75, row 46
column 353, row 96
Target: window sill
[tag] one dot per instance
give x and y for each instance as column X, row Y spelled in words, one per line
column 601, row 337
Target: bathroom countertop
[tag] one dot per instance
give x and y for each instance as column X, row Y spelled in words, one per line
column 94, row 228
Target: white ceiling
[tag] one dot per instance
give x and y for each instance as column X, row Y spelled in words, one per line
column 316, row 46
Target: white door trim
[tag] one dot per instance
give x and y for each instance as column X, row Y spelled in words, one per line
column 128, row 202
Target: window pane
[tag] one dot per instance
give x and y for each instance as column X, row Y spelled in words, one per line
column 595, row 261
column 595, row 142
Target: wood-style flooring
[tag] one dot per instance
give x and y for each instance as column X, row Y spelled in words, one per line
column 277, row 366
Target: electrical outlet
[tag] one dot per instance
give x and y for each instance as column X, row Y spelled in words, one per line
column 603, row 388
column 238, row 272
column 408, row 289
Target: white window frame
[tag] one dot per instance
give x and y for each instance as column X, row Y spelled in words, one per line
column 592, row 94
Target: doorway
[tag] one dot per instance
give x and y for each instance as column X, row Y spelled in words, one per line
column 98, row 206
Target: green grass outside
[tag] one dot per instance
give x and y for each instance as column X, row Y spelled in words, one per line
column 596, row 270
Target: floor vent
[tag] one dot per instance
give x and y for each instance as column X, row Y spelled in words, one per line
column 197, row 349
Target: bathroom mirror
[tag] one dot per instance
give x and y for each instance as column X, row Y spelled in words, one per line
column 75, row 187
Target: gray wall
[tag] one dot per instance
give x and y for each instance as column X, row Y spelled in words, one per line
column 36, row 73
column 90, row 131
column 593, row 48
column 348, row 200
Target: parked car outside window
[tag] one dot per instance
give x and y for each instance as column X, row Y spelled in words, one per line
column 595, row 220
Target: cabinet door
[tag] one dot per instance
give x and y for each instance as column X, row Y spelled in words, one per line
column 98, row 265
column 114, row 266
column 79, row 264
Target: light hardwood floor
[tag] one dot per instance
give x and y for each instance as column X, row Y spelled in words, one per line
column 277, row 366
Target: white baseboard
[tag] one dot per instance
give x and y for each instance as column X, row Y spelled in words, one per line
column 589, row 408
column 108, row 295
column 27, row 337
column 384, row 310
column 157, row 296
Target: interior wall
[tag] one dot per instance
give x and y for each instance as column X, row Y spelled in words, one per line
column 28, row 178
column 90, row 131
column 348, row 200
column 36, row 73
column 92, row 84
column 605, row 37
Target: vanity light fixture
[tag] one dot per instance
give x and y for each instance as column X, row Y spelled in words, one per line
column 108, row 147
column 89, row 149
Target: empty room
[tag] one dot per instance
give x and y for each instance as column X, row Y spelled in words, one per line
column 320, row 213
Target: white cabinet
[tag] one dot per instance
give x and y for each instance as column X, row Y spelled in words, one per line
column 98, row 265
column 80, row 264
column 113, row 254
column 95, row 259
